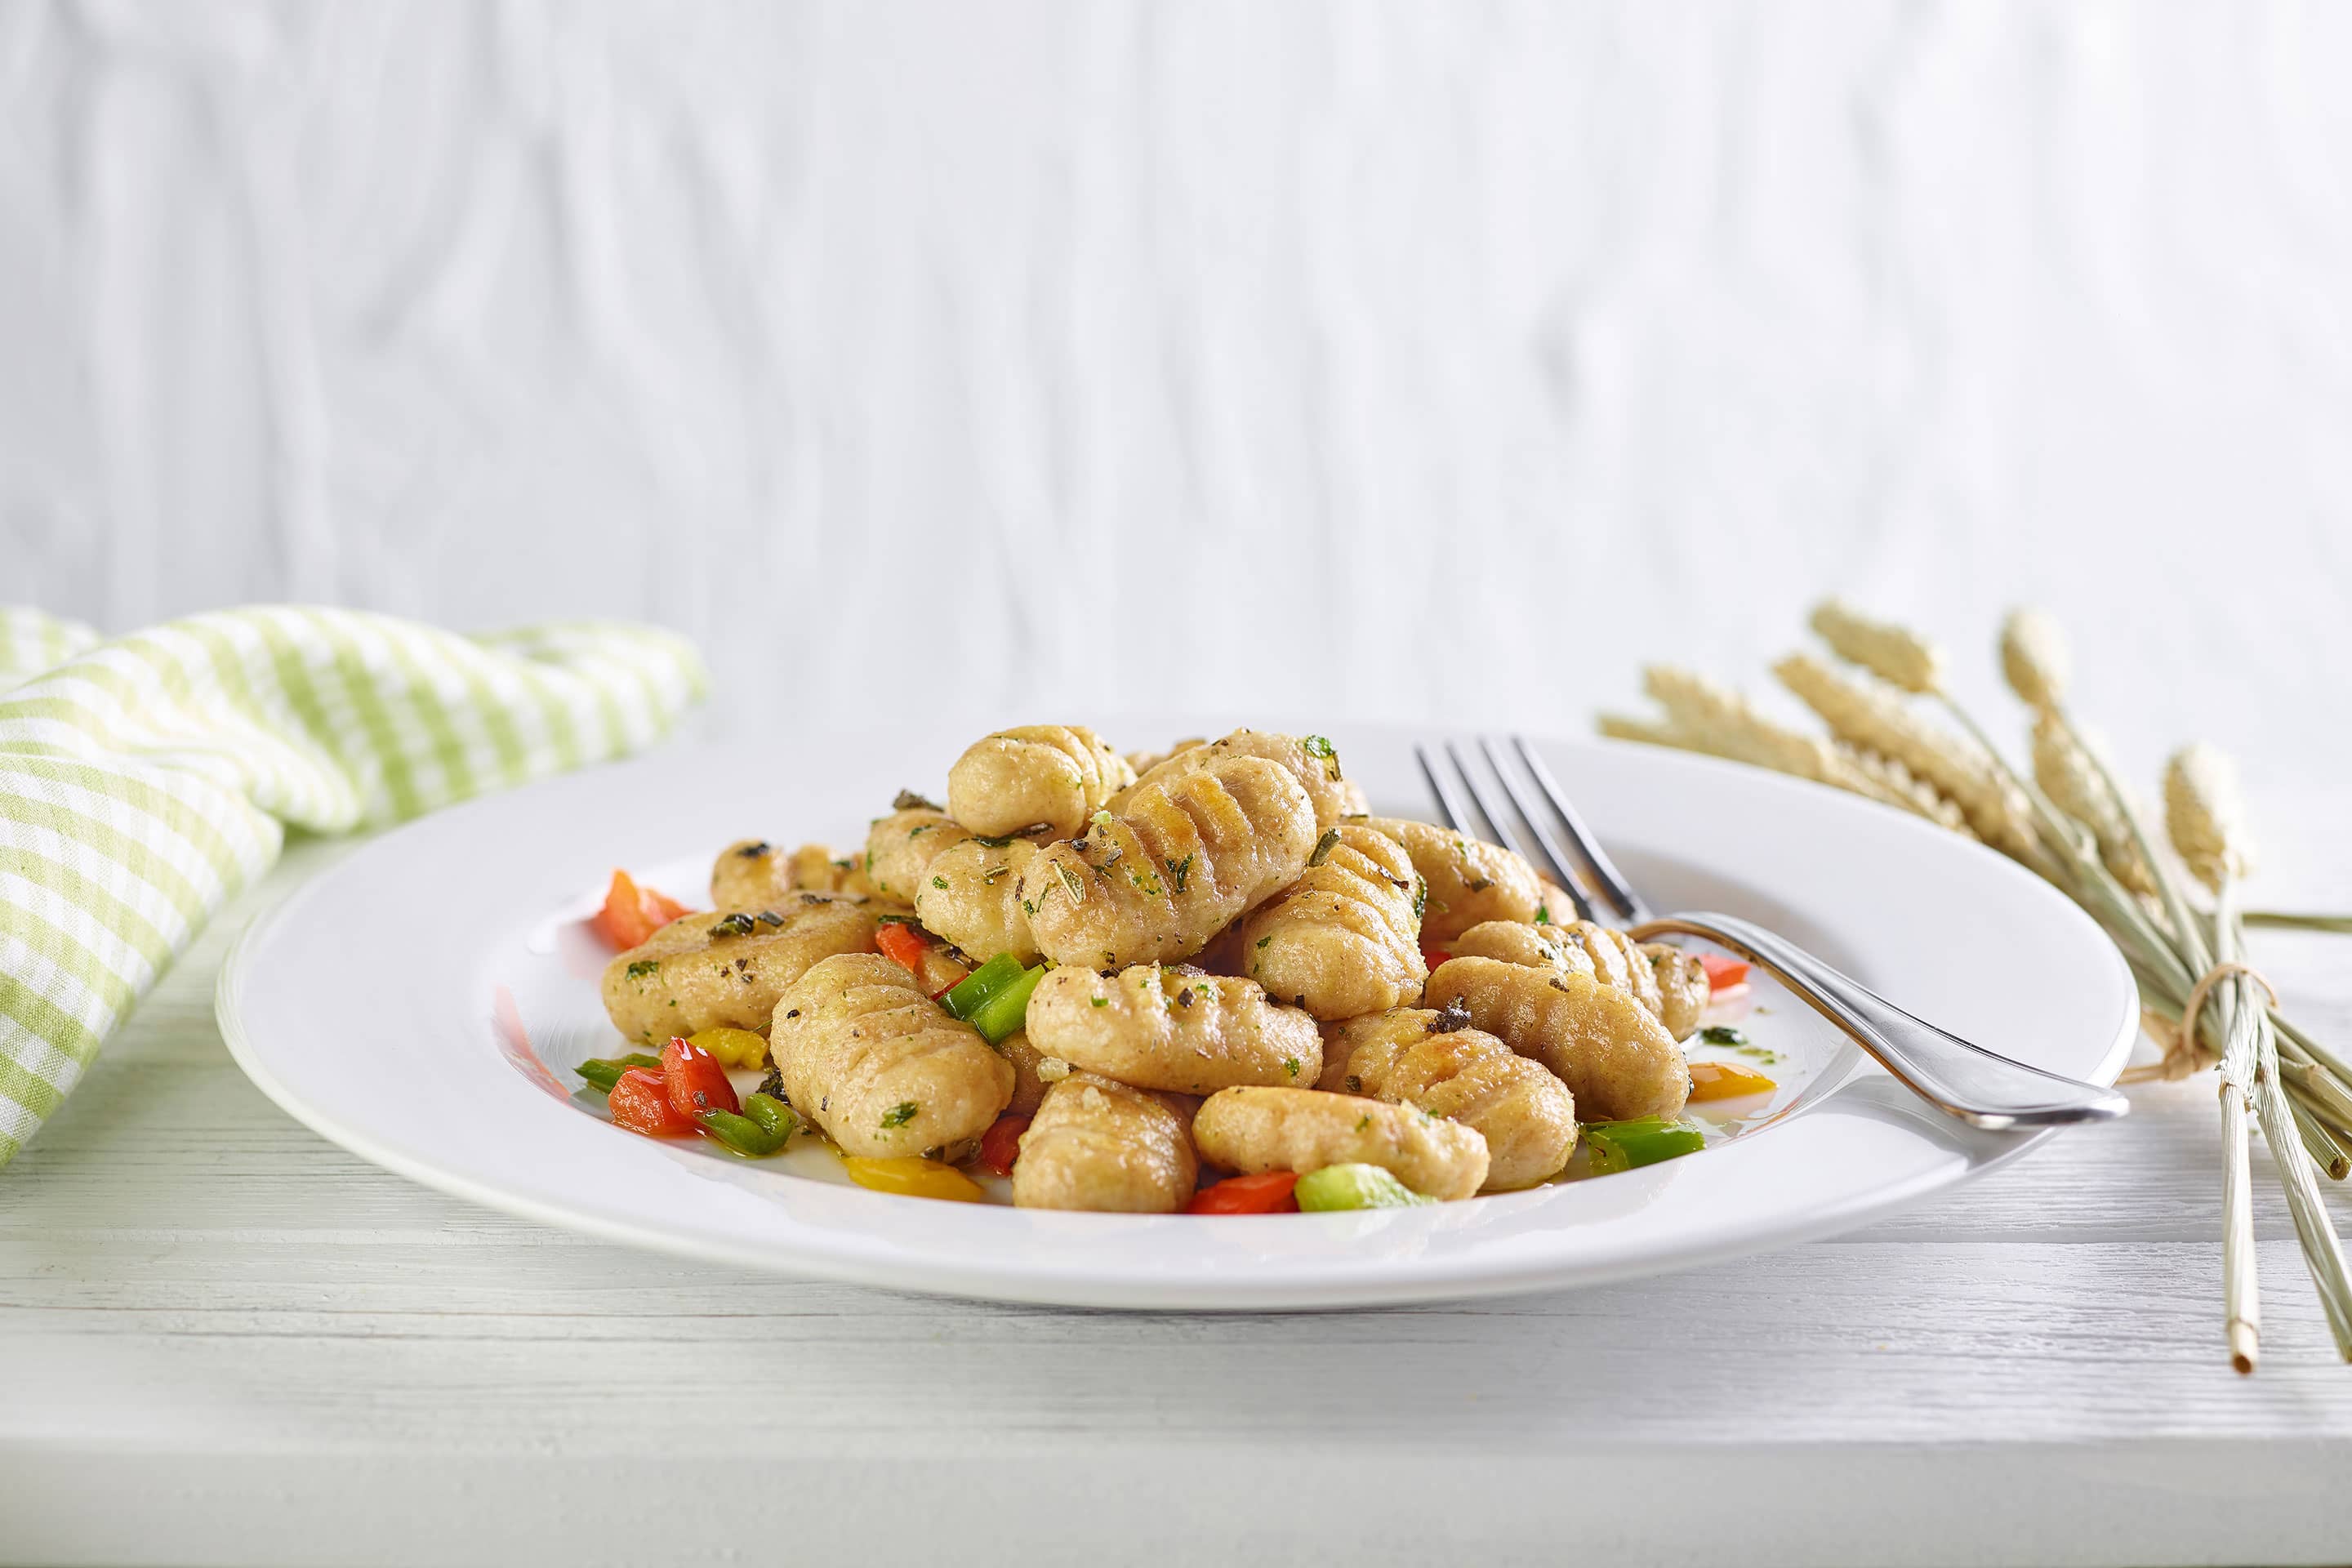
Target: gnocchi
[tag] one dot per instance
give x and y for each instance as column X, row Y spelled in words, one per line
column 1166, row 1029
column 1345, row 939
column 1438, row 1063
column 1611, row 1052
column 726, row 971
column 864, row 1054
column 1102, row 1145
column 1253, row 1130
column 1188, row 854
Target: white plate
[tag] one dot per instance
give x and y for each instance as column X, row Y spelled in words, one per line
column 422, row 1002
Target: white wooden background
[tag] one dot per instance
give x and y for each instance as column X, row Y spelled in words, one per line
column 1327, row 353
column 1388, row 361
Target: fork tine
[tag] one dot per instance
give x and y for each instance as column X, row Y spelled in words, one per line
column 1497, row 831
column 1551, row 857
column 1605, row 875
column 1448, row 806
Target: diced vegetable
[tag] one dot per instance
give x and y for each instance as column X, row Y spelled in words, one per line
column 604, row 1072
column 1269, row 1192
column 697, row 1082
column 1354, row 1187
column 1726, row 1081
column 1723, row 973
column 901, row 945
column 734, row 1047
column 964, row 999
column 640, row 1102
column 632, row 913
column 1006, row 1011
column 765, row 1127
column 774, row 1115
column 909, row 1177
column 1623, row 1146
column 1000, row 1145
column 1434, row 956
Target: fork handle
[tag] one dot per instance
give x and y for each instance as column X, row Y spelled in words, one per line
column 1981, row 1087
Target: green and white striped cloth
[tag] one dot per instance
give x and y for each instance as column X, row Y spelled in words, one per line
column 144, row 779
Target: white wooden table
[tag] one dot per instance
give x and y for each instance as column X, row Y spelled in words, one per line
column 223, row 1340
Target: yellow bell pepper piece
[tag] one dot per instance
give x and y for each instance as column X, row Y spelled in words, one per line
column 911, row 1177
column 734, row 1047
column 1726, row 1081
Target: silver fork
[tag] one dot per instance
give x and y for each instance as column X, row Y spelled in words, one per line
column 1979, row 1087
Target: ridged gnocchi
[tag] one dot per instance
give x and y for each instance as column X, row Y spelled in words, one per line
column 1313, row 761
column 1344, row 938
column 711, row 970
column 864, row 1054
column 1253, row 1130
column 1178, row 1030
column 1100, row 1145
column 1469, row 880
column 1670, row 983
column 1186, row 855
column 752, row 874
column 1437, row 1062
column 1049, row 777
column 971, row 896
column 1611, row 1051
column 900, row 847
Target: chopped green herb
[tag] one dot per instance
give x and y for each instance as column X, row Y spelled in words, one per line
column 1070, row 880
column 1324, row 846
column 1180, row 871
column 644, row 967
column 899, row 1114
column 1543, row 914
column 920, row 828
column 995, row 843
column 939, row 882
column 907, row 800
column 1102, row 1000
column 1419, row 894
column 1722, row 1034
column 1290, row 1065
column 753, row 851
column 738, row 924
column 1264, row 939
column 1316, row 746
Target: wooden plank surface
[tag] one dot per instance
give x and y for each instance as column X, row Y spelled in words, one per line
column 269, row 1332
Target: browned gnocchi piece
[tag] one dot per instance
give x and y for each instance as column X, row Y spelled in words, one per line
column 1611, row 1051
column 1344, row 938
column 754, row 875
column 1180, row 1029
column 1186, row 855
column 1103, row 1146
column 971, row 896
column 1312, row 760
column 1029, row 1085
column 1437, row 1062
column 1048, row 776
column 900, row 847
column 708, row 971
column 1671, row 985
column 1469, row 880
column 880, row 1068
column 1253, row 1130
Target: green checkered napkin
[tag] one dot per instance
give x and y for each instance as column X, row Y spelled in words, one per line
column 144, row 779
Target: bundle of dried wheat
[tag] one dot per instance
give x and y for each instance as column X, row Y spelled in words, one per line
column 2070, row 821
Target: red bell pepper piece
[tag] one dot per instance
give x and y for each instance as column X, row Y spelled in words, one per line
column 640, row 1102
column 901, row 946
column 1269, row 1192
column 632, row 913
column 697, row 1082
column 1000, row 1145
column 1723, row 973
